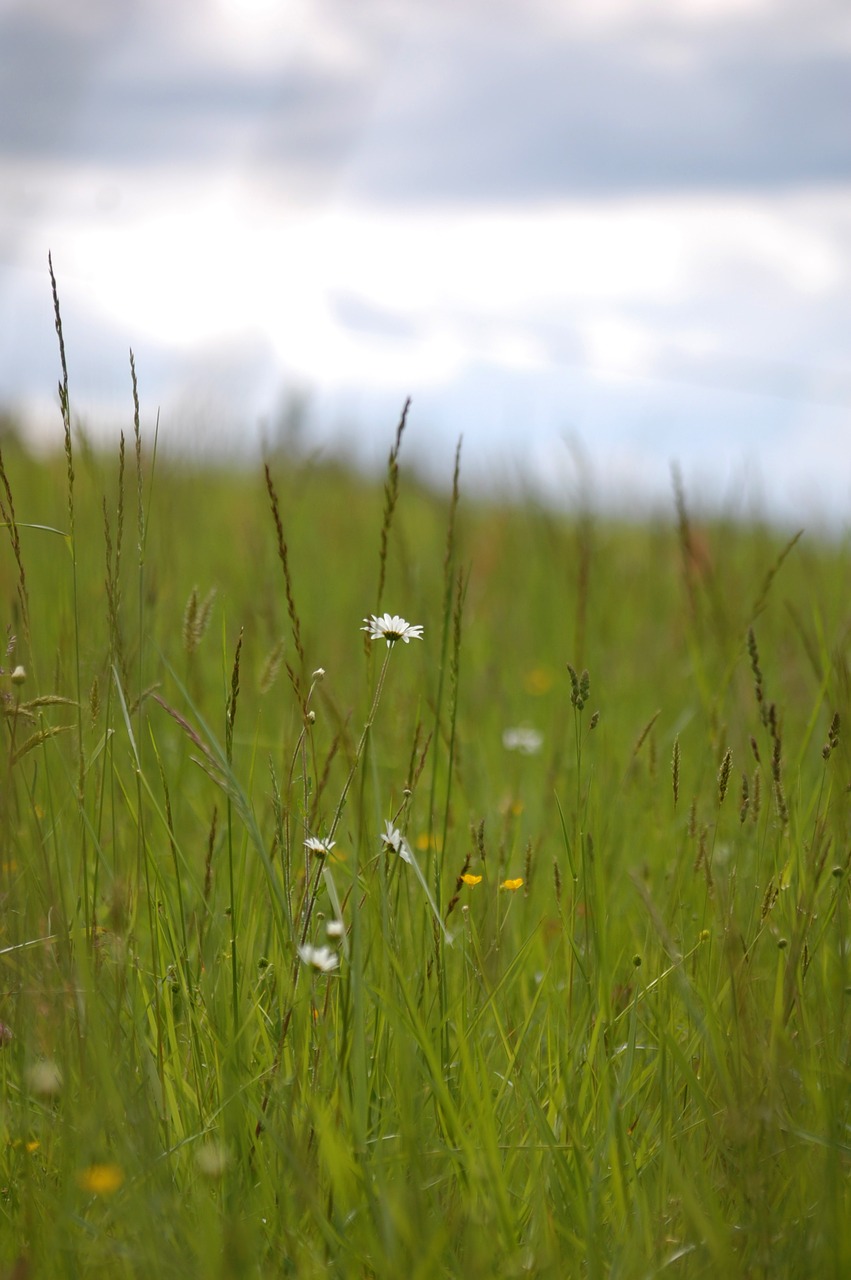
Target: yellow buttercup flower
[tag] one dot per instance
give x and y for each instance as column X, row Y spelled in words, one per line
column 29, row 1145
column 471, row 880
column 513, row 885
column 101, row 1179
column 539, row 680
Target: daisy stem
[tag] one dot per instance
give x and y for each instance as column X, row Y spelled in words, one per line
column 296, row 755
column 300, row 755
column 308, row 914
column 359, row 752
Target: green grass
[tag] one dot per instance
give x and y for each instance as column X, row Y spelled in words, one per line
column 636, row 1063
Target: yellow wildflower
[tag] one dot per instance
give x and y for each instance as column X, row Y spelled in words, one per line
column 29, row 1145
column 101, row 1179
column 471, row 880
column 513, row 885
column 539, row 680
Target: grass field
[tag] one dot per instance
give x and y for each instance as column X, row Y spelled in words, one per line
column 518, row 949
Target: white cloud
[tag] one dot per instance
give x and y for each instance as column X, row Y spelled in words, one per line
column 625, row 286
column 520, row 212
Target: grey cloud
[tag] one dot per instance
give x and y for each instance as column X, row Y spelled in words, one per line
column 486, row 103
column 298, row 119
column 61, row 100
column 45, row 73
column 507, row 115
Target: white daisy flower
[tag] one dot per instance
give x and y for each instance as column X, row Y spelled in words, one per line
column 527, row 741
column 321, row 958
column 391, row 627
column 320, row 847
column 395, row 842
column 335, row 928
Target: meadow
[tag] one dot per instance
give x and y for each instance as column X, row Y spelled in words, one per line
column 519, row 947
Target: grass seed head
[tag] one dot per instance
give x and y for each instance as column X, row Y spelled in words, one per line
column 580, row 687
column 744, row 802
column 832, row 736
column 271, row 667
column 724, row 775
column 196, row 618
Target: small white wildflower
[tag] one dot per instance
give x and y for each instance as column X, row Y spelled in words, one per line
column 527, row 741
column 212, row 1159
column 395, row 842
column 391, row 627
column 44, row 1079
column 335, row 929
column 319, row 674
column 392, row 838
column 321, row 958
column 320, row 847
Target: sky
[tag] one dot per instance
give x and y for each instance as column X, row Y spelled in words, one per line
column 595, row 239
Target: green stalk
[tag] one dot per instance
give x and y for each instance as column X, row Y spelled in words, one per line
column 229, row 723
column 65, row 407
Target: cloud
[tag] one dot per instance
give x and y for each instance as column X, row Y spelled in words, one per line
column 516, row 111
column 631, row 219
column 499, row 102
column 49, row 55
column 131, row 96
